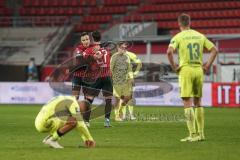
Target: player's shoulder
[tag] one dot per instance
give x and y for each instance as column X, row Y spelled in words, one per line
column 80, row 47
column 178, row 35
column 115, row 54
column 197, row 33
column 131, row 54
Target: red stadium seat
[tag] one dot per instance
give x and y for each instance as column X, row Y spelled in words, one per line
column 86, row 27
column 64, row 3
column 54, row 3
column 27, row 3
column 36, row 3
column 5, row 22
column 44, row 3
column 74, row 3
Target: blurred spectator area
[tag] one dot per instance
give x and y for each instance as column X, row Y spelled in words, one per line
column 19, row 44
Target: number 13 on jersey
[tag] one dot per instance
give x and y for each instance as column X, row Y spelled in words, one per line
column 194, row 51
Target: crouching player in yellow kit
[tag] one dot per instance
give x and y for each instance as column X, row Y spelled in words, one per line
column 190, row 45
column 59, row 116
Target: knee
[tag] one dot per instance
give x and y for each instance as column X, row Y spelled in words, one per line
column 126, row 99
column 187, row 102
column 197, row 103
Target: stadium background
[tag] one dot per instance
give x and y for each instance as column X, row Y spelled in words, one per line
column 48, row 30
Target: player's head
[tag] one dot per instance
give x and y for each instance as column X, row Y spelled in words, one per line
column 122, row 47
column 85, row 39
column 96, row 35
column 184, row 21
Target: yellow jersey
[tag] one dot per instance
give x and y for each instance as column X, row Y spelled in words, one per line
column 135, row 60
column 190, row 45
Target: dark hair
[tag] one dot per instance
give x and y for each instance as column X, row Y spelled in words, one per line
column 96, row 35
column 84, row 34
column 184, row 19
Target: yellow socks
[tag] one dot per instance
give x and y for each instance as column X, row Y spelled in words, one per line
column 199, row 115
column 190, row 119
column 130, row 108
column 55, row 136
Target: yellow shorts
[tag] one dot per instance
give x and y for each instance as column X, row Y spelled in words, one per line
column 43, row 124
column 191, row 81
column 122, row 90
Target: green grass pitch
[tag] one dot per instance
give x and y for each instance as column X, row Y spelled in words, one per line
column 148, row 139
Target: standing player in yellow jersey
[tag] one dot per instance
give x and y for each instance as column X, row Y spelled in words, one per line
column 190, row 45
column 121, row 67
column 122, row 78
column 59, row 116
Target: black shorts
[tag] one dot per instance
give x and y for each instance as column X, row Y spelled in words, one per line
column 76, row 83
column 94, row 88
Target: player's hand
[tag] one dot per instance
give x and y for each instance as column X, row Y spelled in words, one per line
column 96, row 48
column 205, row 68
column 131, row 81
column 176, row 69
column 90, row 143
column 98, row 56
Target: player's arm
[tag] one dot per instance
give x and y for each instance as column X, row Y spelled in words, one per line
column 76, row 53
column 87, row 55
column 112, row 63
column 213, row 53
column 171, row 49
column 81, row 127
column 137, row 61
column 130, row 72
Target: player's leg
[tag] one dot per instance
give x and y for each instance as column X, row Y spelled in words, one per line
column 76, row 86
column 130, row 109
column 130, row 103
column 199, row 110
column 68, row 126
column 44, row 124
column 125, row 101
column 126, row 96
column 117, row 108
column 123, row 111
column 89, row 92
column 190, row 118
column 199, row 115
column 185, row 83
column 87, row 113
column 108, row 109
column 40, row 121
column 107, row 91
column 117, row 92
column 58, row 129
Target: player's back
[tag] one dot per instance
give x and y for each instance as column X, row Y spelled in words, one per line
column 102, row 65
column 190, row 45
column 56, row 105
